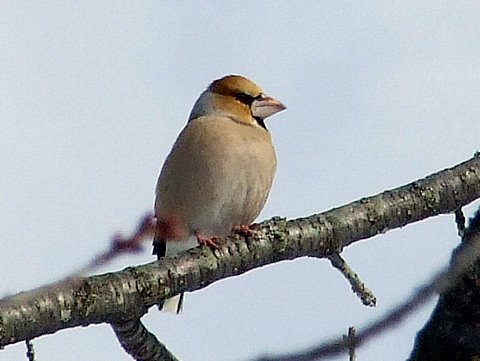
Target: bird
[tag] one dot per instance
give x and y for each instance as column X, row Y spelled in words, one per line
column 219, row 172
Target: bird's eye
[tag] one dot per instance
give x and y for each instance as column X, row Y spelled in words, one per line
column 244, row 98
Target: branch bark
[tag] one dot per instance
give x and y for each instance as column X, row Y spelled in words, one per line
column 129, row 294
column 139, row 343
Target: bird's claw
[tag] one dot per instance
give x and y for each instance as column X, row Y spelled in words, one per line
column 245, row 229
column 211, row 242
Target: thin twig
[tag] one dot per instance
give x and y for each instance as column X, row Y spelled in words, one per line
column 30, row 351
column 351, row 343
column 460, row 222
column 358, row 287
column 120, row 244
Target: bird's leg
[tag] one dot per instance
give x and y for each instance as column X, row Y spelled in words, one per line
column 211, row 242
column 245, row 229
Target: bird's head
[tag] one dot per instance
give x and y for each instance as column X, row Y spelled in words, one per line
column 238, row 98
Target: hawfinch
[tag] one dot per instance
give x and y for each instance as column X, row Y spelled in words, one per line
column 219, row 172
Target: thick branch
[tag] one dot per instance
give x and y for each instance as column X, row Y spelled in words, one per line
column 129, row 293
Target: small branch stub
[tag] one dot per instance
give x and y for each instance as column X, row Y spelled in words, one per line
column 358, row 287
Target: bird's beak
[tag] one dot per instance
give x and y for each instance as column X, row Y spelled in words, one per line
column 265, row 106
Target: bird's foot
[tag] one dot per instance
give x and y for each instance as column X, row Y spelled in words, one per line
column 211, row 242
column 245, row 229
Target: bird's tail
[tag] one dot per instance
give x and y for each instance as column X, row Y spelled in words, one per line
column 161, row 249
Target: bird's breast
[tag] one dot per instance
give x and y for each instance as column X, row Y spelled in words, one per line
column 218, row 175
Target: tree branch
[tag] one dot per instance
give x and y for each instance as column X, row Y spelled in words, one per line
column 139, row 343
column 130, row 293
column 463, row 258
column 452, row 333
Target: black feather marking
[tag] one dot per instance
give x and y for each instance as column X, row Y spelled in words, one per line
column 159, row 247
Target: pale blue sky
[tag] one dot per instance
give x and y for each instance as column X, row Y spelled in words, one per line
column 93, row 95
